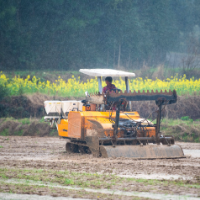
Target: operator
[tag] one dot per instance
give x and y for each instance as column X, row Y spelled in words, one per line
column 111, row 87
column 109, row 84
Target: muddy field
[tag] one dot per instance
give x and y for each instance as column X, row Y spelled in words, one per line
column 44, row 161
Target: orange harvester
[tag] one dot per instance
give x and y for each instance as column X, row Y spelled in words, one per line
column 91, row 126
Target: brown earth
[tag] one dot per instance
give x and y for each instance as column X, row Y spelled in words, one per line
column 26, row 106
column 10, row 127
column 33, row 106
column 49, row 153
column 185, row 106
column 31, row 152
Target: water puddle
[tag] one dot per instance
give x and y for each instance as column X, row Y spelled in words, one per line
column 193, row 153
column 105, row 191
column 8, row 196
column 156, row 176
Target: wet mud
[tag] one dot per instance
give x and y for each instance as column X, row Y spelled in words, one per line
column 30, row 152
column 37, row 152
column 77, row 192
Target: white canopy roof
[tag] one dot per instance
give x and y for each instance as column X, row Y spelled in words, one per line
column 106, row 72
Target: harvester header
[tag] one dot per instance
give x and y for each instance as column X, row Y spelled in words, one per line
column 166, row 97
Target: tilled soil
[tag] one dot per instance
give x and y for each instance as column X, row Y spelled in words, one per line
column 46, row 152
column 49, row 153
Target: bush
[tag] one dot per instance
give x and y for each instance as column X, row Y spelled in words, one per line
column 3, row 93
column 186, row 118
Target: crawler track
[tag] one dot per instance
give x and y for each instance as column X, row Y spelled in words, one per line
column 72, row 147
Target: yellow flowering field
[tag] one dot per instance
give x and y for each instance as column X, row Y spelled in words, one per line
column 74, row 87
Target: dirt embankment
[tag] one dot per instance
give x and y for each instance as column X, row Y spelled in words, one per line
column 26, row 106
column 32, row 128
column 33, row 105
column 185, row 106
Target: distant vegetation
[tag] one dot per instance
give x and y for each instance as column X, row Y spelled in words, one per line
column 184, row 129
column 67, row 34
column 41, row 42
column 25, row 127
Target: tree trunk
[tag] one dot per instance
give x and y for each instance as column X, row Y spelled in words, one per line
column 129, row 60
column 114, row 57
column 119, row 56
column 107, row 58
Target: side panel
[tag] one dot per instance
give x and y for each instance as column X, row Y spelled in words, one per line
column 151, row 132
column 75, row 123
column 63, row 128
column 82, row 124
column 107, row 114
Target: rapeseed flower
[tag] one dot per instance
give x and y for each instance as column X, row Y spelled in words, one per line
column 74, row 87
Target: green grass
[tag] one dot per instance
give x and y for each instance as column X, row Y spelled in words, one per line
column 184, row 129
column 42, row 120
column 26, row 188
column 86, row 179
column 68, row 182
column 186, row 118
column 3, row 176
column 1, row 146
column 24, row 121
column 183, row 121
column 20, row 125
column 18, row 133
column 5, row 132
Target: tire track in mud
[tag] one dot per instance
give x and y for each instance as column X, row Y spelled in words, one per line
column 8, row 196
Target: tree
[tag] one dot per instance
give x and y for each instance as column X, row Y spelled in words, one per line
column 64, row 34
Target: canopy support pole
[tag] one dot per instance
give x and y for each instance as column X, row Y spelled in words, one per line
column 99, row 84
column 127, row 89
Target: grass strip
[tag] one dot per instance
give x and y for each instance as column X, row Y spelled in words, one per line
column 185, row 129
column 59, row 192
column 84, row 180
